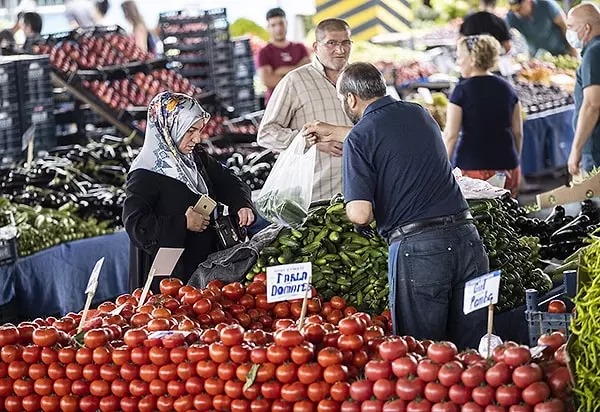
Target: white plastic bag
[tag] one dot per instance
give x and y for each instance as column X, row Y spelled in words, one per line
column 287, row 193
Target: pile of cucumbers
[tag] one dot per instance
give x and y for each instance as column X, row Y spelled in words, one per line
column 517, row 257
column 345, row 263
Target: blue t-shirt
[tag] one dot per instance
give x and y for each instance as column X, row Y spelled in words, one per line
column 486, row 141
column 588, row 74
column 539, row 29
column 395, row 158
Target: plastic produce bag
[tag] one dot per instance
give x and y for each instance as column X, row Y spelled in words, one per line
column 287, row 193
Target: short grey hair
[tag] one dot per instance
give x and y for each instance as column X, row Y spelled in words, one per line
column 363, row 80
column 330, row 25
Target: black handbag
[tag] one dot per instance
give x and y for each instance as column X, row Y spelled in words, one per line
column 228, row 229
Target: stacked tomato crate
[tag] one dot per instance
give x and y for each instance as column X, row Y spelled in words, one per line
column 244, row 71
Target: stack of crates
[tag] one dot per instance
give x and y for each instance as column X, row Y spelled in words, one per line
column 10, row 124
column 199, row 42
column 244, row 71
column 26, row 91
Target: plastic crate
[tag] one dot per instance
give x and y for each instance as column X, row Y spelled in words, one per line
column 33, row 74
column 42, row 115
column 241, row 48
column 539, row 322
column 244, row 94
column 244, row 68
column 247, row 107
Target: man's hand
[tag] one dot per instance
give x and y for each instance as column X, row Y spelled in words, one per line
column 318, row 131
column 574, row 162
column 333, row 148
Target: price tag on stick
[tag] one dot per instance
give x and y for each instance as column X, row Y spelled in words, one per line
column 27, row 142
column 90, row 291
column 288, row 282
column 163, row 265
column 480, row 293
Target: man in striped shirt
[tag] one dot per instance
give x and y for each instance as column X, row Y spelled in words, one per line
column 306, row 95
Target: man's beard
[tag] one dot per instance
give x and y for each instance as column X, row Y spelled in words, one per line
column 354, row 117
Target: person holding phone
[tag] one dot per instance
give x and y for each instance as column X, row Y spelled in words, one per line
column 172, row 187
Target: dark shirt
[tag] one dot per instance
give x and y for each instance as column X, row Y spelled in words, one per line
column 154, row 216
column 484, row 22
column 539, row 30
column 588, row 74
column 395, row 158
column 486, row 141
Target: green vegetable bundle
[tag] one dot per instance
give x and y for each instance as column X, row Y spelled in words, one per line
column 283, row 207
column 40, row 228
column 516, row 256
column 344, row 262
column 585, row 346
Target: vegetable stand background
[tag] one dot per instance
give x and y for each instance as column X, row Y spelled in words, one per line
column 53, row 281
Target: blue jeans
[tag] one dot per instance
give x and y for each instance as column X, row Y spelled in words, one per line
column 427, row 274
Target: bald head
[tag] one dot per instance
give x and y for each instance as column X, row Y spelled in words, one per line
column 585, row 13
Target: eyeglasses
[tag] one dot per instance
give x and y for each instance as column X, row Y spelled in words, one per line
column 332, row 44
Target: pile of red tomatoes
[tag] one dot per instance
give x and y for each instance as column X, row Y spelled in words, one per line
column 225, row 348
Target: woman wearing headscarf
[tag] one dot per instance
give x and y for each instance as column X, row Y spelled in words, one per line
column 165, row 182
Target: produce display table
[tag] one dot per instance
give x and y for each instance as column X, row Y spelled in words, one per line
column 547, row 139
column 53, row 281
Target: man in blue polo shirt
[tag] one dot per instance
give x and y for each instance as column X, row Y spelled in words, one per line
column 396, row 171
column 584, row 32
column 542, row 23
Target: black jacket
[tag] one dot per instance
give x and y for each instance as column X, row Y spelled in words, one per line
column 154, row 216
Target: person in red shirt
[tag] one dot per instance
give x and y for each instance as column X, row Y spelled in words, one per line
column 280, row 56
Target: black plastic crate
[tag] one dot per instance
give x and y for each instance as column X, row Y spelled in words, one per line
column 33, row 73
column 241, row 48
column 244, row 93
column 195, row 71
column 244, row 82
column 246, row 107
column 244, row 68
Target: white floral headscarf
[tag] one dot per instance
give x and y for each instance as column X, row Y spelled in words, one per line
column 170, row 115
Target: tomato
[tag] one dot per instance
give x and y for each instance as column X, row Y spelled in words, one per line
column 293, row 392
column 508, row 395
column 135, row 337
column 397, row 405
column 109, row 404
column 101, row 355
column 197, row 352
column 214, row 386
column 351, row 326
column 17, row 369
column 309, row 373
column 184, row 403
column 157, row 387
column 186, row 370
column 121, row 355
column 557, row 306
column 473, row 376
column 286, row 372
column 349, row 406
column 553, row 340
column 536, row 393
column 444, row 407
column 49, row 355
column 30, row 354
column 483, row 395
column 80, row 387
column 551, row 405
column 120, row 388
column 428, row 370
column 404, row 366
column 384, row 389
column 327, row 405
column 10, row 353
column 232, row 335
column 202, row 402
column 335, row 373
column 560, row 355
column 378, row 369
column 83, row 356
column 218, row 352
column 239, row 354
column 350, row 342
column 69, row 403
column 32, row 403
column 279, row 405
column 459, row 394
column 409, row 388
column 91, row 372
column 56, row 371
column 313, row 332
column 100, row 388
column 393, row 348
column 95, row 338
column 13, row 404
column 288, row 337
column 22, row 387
column 450, row 374
column 206, row 369
column 525, row 375
column 419, row 405
column 260, row 405
column 304, row 353
column 442, row 352
column 515, row 356
column 147, row 403
column 170, row 286
column 165, row 403
column 43, row 386
column 45, row 336
column 36, row 371
column 62, row 387
column 272, row 390
column 329, row 356
column 202, row 306
column 498, row 352
column 50, row 403
column 559, row 381
column 194, row 385
column 109, row 372
column 257, row 337
column 158, row 355
column 361, row 390
column 265, row 372
column 436, row 392
column 223, row 403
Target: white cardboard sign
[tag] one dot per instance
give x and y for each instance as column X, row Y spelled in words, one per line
column 165, row 261
column 288, row 282
column 28, row 137
column 93, row 282
column 481, row 292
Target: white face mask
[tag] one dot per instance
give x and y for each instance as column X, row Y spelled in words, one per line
column 573, row 39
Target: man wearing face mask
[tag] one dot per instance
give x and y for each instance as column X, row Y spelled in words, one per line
column 307, row 94
column 396, row 172
column 584, row 33
column 542, row 23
